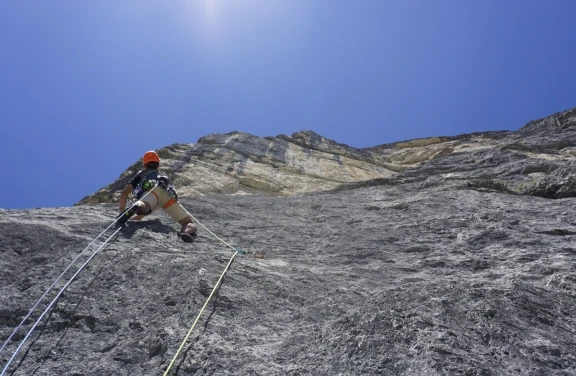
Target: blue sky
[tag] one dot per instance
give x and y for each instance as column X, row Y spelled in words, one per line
column 87, row 86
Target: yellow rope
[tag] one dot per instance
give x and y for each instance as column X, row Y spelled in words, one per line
column 207, row 300
column 213, row 234
column 200, row 314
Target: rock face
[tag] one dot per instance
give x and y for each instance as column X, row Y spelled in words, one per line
column 450, row 265
column 532, row 161
column 242, row 163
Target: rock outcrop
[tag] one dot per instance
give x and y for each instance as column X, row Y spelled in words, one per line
column 447, row 263
column 242, row 163
column 523, row 162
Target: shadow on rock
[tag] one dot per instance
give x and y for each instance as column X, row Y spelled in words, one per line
column 154, row 225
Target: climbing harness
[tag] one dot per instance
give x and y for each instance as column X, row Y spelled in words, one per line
column 59, row 294
column 128, row 213
column 171, row 192
column 161, row 179
column 237, row 251
column 143, row 185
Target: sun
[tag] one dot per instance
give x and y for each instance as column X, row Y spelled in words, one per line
column 203, row 16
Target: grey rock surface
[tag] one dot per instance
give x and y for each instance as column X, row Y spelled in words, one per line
column 446, row 268
column 399, row 280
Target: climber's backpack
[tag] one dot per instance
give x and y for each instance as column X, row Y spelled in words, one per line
column 150, row 180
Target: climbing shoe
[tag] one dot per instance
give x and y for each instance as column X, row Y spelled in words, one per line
column 187, row 238
column 127, row 214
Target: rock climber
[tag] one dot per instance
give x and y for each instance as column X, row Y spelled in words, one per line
column 152, row 190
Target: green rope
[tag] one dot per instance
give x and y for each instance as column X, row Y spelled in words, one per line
column 200, row 314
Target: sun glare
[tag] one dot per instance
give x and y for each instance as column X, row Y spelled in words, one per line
column 214, row 21
column 210, row 13
column 203, row 17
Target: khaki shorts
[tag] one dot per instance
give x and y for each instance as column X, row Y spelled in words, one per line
column 159, row 198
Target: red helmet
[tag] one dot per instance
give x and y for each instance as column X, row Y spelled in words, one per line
column 150, row 156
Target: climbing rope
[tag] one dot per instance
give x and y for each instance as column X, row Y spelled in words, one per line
column 237, row 251
column 240, row 251
column 61, row 291
column 51, row 287
column 200, row 314
column 55, row 300
column 211, row 233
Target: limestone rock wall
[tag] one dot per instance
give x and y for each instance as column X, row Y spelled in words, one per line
column 242, row 163
column 522, row 162
column 239, row 163
column 420, row 278
column 446, row 265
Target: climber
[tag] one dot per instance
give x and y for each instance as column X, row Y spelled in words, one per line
column 160, row 195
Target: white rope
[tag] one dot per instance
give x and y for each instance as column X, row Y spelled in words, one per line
column 51, row 287
column 55, row 300
column 61, row 291
column 56, row 281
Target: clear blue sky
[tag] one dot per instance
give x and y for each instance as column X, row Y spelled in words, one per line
column 87, row 86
